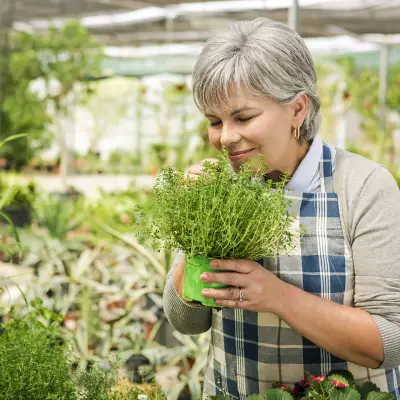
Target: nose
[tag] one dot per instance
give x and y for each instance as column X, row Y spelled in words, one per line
column 229, row 136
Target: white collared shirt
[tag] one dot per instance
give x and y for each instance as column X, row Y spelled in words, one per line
column 307, row 175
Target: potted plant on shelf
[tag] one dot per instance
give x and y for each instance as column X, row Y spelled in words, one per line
column 219, row 215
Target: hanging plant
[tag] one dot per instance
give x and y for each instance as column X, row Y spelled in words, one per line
column 219, row 215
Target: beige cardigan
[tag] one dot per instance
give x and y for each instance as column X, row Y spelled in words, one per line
column 369, row 203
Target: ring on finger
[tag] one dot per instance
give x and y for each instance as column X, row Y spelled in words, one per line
column 241, row 295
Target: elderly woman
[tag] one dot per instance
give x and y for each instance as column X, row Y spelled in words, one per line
column 334, row 302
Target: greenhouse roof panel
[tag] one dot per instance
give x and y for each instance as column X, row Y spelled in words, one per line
column 131, row 22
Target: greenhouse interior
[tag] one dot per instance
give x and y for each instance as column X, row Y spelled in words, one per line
column 102, row 141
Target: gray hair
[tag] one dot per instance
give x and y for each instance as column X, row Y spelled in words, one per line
column 264, row 57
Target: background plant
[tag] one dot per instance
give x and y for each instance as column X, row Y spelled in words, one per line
column 37, row 363
column 33, row 360
column 65, row 55
column 362, row 94
column 100, row 278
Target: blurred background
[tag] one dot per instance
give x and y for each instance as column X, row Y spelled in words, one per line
column 102, row 91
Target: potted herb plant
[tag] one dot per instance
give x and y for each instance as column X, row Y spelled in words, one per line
column 219, row 215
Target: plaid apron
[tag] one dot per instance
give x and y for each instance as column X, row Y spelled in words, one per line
column 249, row 351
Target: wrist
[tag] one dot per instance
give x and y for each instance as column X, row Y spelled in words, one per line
column 283, row 298
column 178, row 279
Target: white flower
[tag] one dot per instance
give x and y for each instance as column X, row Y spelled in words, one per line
column 142, row 397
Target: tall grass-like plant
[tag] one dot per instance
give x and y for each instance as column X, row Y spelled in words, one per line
column 221, row 214
column 59, row 216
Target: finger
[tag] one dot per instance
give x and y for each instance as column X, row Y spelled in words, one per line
column 195, row 169
column 233, row 303
column 231, row 293
column 198, row 168
column 241, row 266
column 226, row 278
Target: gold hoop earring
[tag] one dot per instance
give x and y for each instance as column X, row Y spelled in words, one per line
column 297, row 133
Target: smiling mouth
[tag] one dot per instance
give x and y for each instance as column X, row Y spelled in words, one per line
column 238, row 153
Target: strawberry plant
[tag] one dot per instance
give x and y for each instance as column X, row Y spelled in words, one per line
column 337, row 385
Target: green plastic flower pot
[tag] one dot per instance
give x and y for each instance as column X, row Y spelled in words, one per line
column 193, row 285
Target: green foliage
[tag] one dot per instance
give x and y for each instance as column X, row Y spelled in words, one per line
column 276, row 394
column 73, row 55
column 338, row 385
column 37, row 364
column 6, row 195
column 117, row 209
column 68, row 55
column 94, row 384
column 122, row 161
column 159, row 154
column 59, row 216
column 17, row 194
column 33, row 361
column 368, row 387
column 221, row 214
column 362, row 89
column 347, row 393
column 256, row 397
column 379, row 396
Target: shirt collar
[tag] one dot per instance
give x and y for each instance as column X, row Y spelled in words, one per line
column 305, row 172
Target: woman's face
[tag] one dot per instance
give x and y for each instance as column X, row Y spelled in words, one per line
column 258, row 125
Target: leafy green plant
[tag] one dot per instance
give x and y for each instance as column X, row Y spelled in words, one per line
column 38, row 363
column 6, row 195
column 362, row 95
column 66, row 55
column 33, row 359
column 17, row 194
column 221, row 214
column 59, row 216
column 159, row 155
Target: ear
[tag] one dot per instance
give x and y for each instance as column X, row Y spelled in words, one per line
column 300, row 108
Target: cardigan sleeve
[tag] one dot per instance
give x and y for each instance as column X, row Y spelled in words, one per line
column 186, row 318
column 376, row 255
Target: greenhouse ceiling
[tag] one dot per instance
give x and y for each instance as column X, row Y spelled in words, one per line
column 131, row 22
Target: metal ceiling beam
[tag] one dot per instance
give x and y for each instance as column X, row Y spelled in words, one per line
column 161, row 36
column 294, row 16
column 128, row 4
column 311, row 19
column 383, row 85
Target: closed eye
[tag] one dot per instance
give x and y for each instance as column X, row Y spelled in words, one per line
column 244, row 119
column 216, row 123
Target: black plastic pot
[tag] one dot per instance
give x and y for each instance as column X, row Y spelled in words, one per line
column 133, row 366
column 185, row 394
column 19, row 215
column 164, row 335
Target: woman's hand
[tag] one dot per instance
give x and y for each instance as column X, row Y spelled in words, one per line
column 261, row 289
